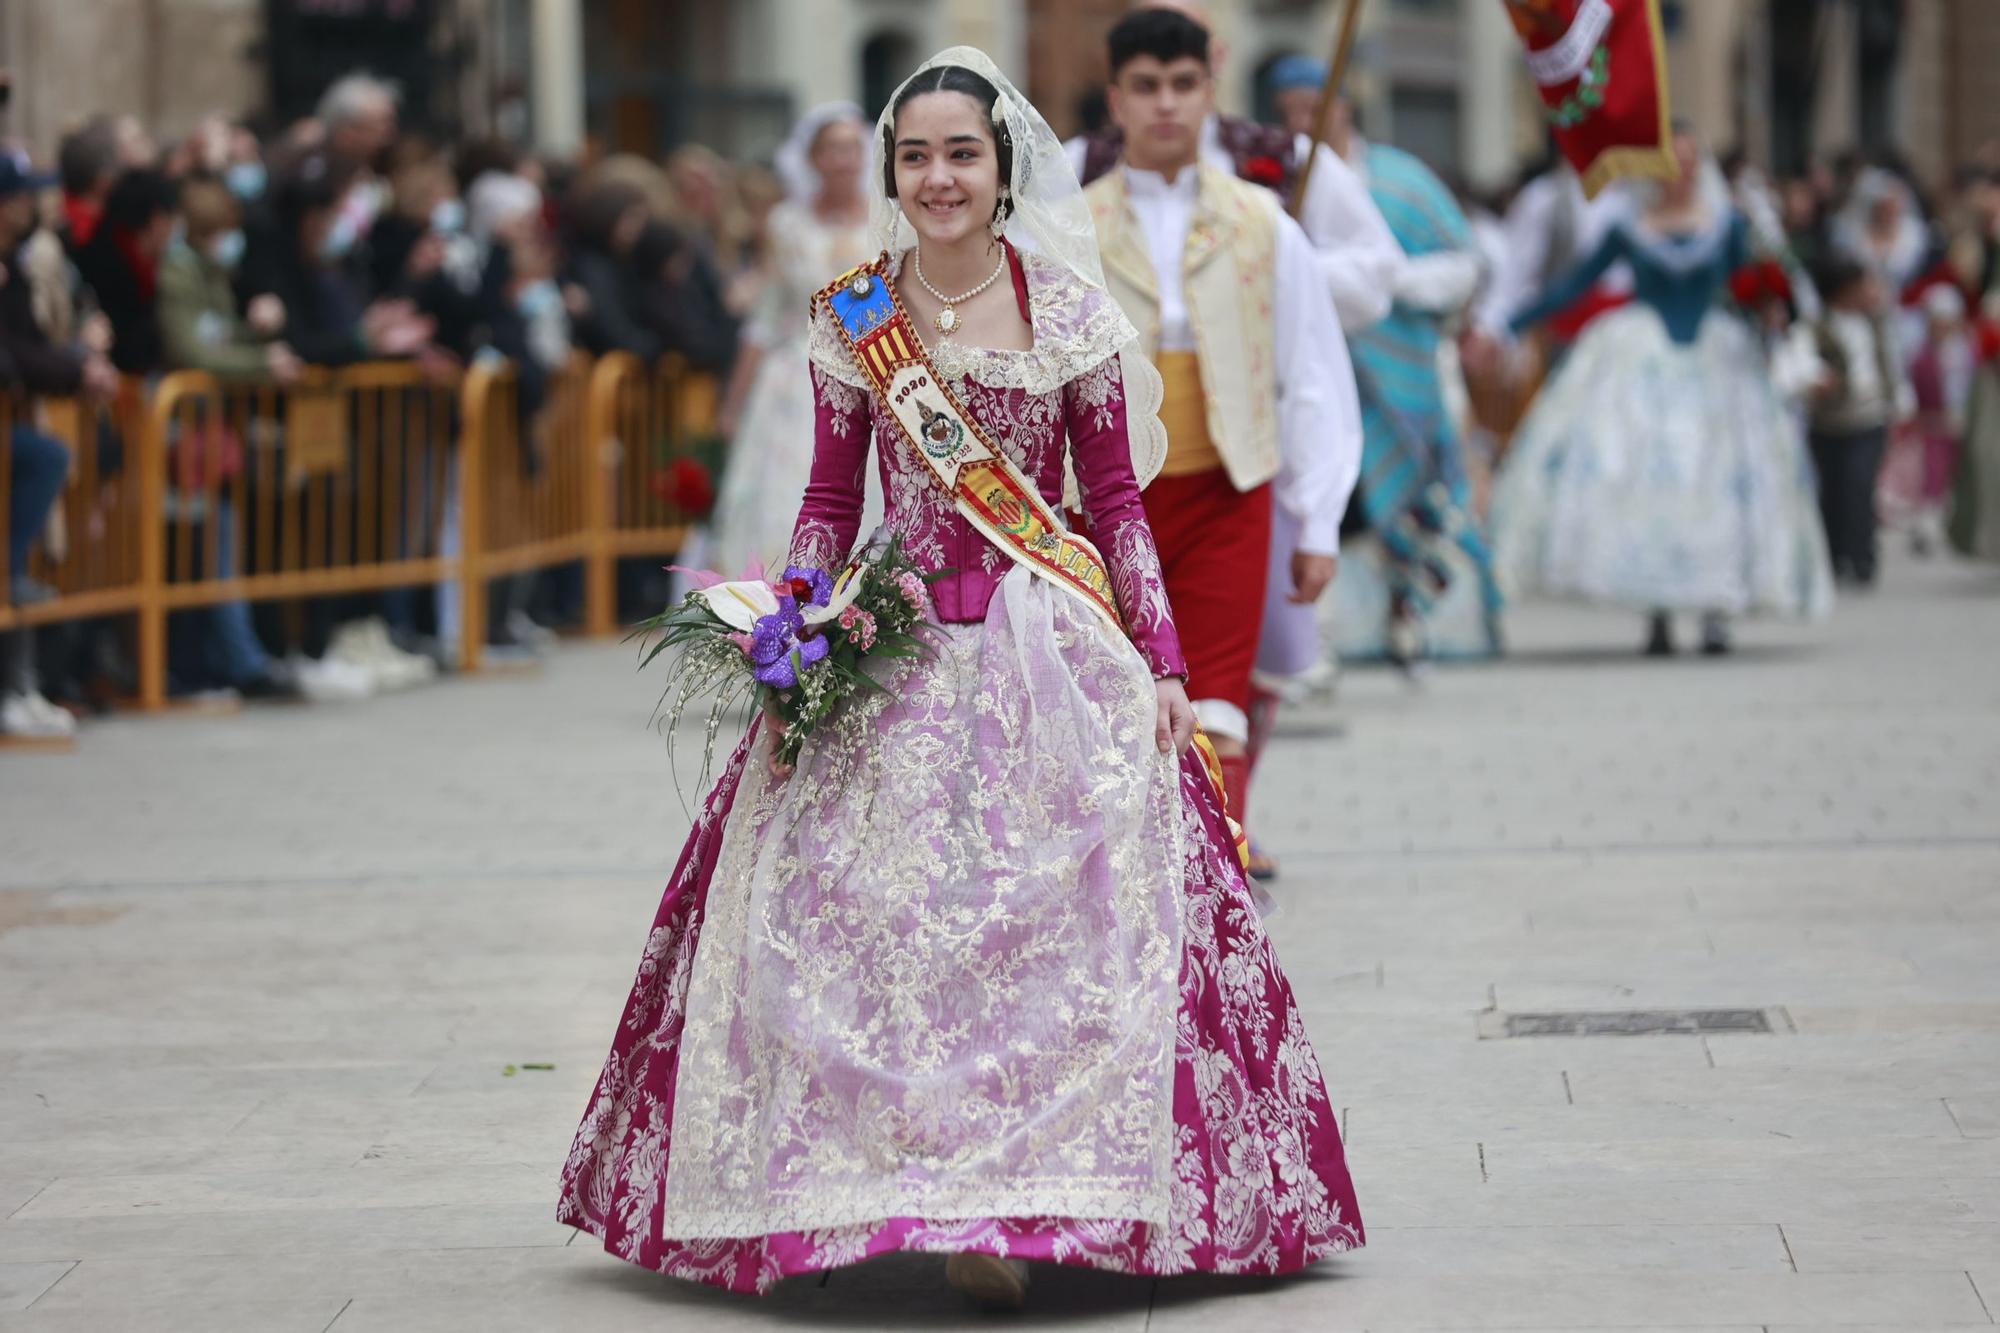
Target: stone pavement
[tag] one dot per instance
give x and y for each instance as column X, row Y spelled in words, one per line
column 263, row 977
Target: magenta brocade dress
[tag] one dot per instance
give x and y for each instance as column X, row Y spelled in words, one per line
column 984, row 973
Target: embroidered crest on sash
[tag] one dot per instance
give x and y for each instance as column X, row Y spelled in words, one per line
column 985, row 485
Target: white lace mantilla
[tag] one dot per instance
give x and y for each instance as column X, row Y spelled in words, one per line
column 939, row 973
column 1077, row 329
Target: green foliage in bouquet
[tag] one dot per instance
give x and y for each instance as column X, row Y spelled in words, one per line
column 799, row 647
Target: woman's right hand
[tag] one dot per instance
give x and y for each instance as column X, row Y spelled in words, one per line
column 775, row 725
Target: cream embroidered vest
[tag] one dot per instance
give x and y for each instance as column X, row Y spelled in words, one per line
column 1228, row 276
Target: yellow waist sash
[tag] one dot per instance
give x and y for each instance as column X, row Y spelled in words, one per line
column 1185, row 415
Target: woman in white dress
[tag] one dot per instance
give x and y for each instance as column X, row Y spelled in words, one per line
column 1660, row 470
column 767, row 413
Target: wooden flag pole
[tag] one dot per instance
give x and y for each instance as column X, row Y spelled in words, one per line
column 1343, row 51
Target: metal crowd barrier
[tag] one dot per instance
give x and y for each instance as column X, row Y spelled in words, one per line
column 531, row 508
column 644, row 422
column 88, row 553
column 346, row 482
column 352, row 481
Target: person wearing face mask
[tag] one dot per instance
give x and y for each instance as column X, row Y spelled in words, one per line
column 199, row 323
column 309, row 260
column 246, row 179
column 201, row 329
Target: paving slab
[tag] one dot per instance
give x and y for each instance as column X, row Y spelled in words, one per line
column 254, row 1039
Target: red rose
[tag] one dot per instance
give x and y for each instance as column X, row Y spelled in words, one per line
column 1743, row 285
column 1754, row 284
column 1264, row 170
column 686, row 485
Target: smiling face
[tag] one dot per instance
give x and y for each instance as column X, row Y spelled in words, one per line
column 947, row 167
column 1161, row 108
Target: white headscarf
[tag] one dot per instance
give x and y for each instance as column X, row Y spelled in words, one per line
column 1050, row 218
column 794, row 157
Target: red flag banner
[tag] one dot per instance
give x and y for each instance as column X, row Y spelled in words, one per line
column 1601, row 68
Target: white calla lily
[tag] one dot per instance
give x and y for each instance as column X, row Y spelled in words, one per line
column 845, row 590
column 742, row 604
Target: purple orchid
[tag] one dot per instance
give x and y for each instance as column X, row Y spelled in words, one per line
column 782, row 646
column 806, row 584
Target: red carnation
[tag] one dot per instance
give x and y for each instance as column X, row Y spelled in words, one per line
column 1264, row 170
column 1754, row 284
column 686, row 485
column 1988, row 333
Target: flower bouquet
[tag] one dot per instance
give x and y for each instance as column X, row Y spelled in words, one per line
column 797, row 646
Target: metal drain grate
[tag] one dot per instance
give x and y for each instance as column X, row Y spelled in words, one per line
column 1637, row 1023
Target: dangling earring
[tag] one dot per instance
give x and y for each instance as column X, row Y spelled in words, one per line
column 1000, row 211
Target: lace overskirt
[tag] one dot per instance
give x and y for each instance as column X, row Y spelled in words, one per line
column 984, row 974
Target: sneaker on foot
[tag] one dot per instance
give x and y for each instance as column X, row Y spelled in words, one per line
column 33, row 716
column 24, row 591
column 331, row 679
column 529, row 632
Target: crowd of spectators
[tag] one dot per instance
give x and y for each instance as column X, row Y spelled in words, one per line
column 338, row 239
column 252, row 254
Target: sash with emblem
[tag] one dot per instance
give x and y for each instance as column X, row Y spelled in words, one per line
column 983, row 482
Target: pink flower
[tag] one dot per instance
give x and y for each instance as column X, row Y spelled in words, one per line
column 912, row 588
column 860, row 627
column 744, row 642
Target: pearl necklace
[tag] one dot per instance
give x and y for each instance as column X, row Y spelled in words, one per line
column 947, row 318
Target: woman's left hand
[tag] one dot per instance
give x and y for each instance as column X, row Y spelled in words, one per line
column 1173, row 727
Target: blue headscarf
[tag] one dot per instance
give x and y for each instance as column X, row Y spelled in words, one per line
column 1295, row 71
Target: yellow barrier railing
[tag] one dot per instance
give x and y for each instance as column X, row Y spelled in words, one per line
column 643, row 422
column 356, row 480
column 530, row 507
column 342, row 483
column 88, row 553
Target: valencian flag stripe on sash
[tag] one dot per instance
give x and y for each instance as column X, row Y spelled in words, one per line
column 1601, row 68
column 984, row 483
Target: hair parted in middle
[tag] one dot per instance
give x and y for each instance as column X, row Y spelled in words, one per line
column 1166, row 35
column 953, row 79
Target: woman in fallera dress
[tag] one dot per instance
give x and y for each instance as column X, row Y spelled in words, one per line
column 1660, row 469
column 980, row 974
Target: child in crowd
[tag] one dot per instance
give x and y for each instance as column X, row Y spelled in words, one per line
column 1941, row 376
column 1863, row 394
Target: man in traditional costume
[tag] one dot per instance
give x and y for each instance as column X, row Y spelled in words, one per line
column 1356, row 254
column 1260, row 403
column 1359, row 260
